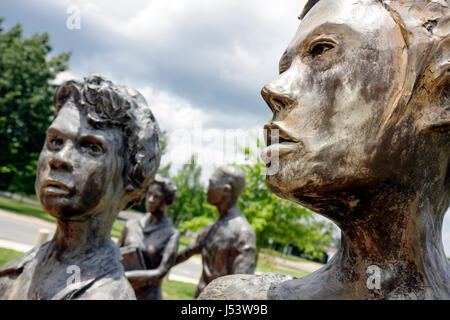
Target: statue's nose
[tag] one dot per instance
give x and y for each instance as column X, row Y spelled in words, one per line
column 62, row 159
column 277, row 95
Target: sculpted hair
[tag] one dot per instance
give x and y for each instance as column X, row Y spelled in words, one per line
column 235, row 178
column 108, row 104
column 169, row 188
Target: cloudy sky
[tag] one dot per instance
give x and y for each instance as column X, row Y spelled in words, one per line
column 200, row 64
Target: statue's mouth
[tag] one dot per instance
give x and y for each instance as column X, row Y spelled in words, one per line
column 279, row 141
column 56, row 188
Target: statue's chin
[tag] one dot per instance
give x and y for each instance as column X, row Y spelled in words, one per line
column 65, row 209
column 319, row 193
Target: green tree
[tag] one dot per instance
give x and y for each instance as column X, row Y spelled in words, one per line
column 285, row 222
column 164, row 171
column 191, row 198
column 25, row 104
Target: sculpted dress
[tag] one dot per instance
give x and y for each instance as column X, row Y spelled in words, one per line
column 158, row 244
column 38, row 274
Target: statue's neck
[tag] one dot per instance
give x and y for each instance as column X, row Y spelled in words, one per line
column 225, row 208
column 74, row 238
column 400, row 240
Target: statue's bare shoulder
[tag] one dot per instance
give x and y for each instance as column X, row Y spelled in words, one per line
column 243, row 287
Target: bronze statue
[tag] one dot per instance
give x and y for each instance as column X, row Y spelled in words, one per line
column 228, row 245
column 154, row 238
column 101, row 153
column 361, row 106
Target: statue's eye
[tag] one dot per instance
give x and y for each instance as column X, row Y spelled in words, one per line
column 55, row 143
column 320, row 48
column 93, row 149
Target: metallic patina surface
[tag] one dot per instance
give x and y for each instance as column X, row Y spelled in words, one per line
column 228, row 245
column 156, row 238
column 362, row 110
column 101, row 153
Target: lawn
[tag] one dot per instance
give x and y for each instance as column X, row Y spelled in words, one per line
column 275, row 253
column 36, row 211
column 7, row 255
column 176, row 290
column 28, row 209
column 264, row 265
column 184, row 242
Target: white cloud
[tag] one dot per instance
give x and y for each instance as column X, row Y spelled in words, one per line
column 64, row 76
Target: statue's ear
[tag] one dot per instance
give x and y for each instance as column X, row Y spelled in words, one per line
column 227, row 188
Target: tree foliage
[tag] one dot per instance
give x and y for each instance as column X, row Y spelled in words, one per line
column 191, row 198
column 25, row 104
column 285, row 222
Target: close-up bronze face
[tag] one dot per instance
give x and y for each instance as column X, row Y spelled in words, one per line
column 155, row 198
column 80, row 168
column 216, row 188
column 339, row 76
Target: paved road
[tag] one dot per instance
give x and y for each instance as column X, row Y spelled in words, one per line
column 23, row 229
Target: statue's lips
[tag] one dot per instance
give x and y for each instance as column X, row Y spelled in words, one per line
column 280, row 142
column 55, row 188
column 281, row 149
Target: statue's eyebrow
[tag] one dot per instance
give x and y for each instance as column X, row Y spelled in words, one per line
column 94, row 138
column 53, row 131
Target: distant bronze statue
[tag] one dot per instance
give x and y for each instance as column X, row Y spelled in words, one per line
column 362, row 109
column 153, row 239
column 227, row 245
column 100, row 155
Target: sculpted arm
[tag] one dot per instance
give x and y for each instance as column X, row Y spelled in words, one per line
column 194, row 247
column 244, row 255
column 167, row 261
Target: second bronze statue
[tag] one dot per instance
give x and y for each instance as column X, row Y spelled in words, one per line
column 149, row 245
column 228, row 245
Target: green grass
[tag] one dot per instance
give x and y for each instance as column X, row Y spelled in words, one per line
column 35, row 210
column 117, row 228
column 176, row 290
column 274, row 253
column 28, row 209
column 264, row 265
column 184, row 242
column 7, row 255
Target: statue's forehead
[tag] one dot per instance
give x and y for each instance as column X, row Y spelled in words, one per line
column 72, row 121
column 357, row 15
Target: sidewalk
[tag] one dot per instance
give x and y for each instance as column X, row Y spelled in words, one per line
column 16, row 246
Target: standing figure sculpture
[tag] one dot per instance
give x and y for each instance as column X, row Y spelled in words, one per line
column 362, row 109
column 228, row 245
column 101, row 153
column 154, row 238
